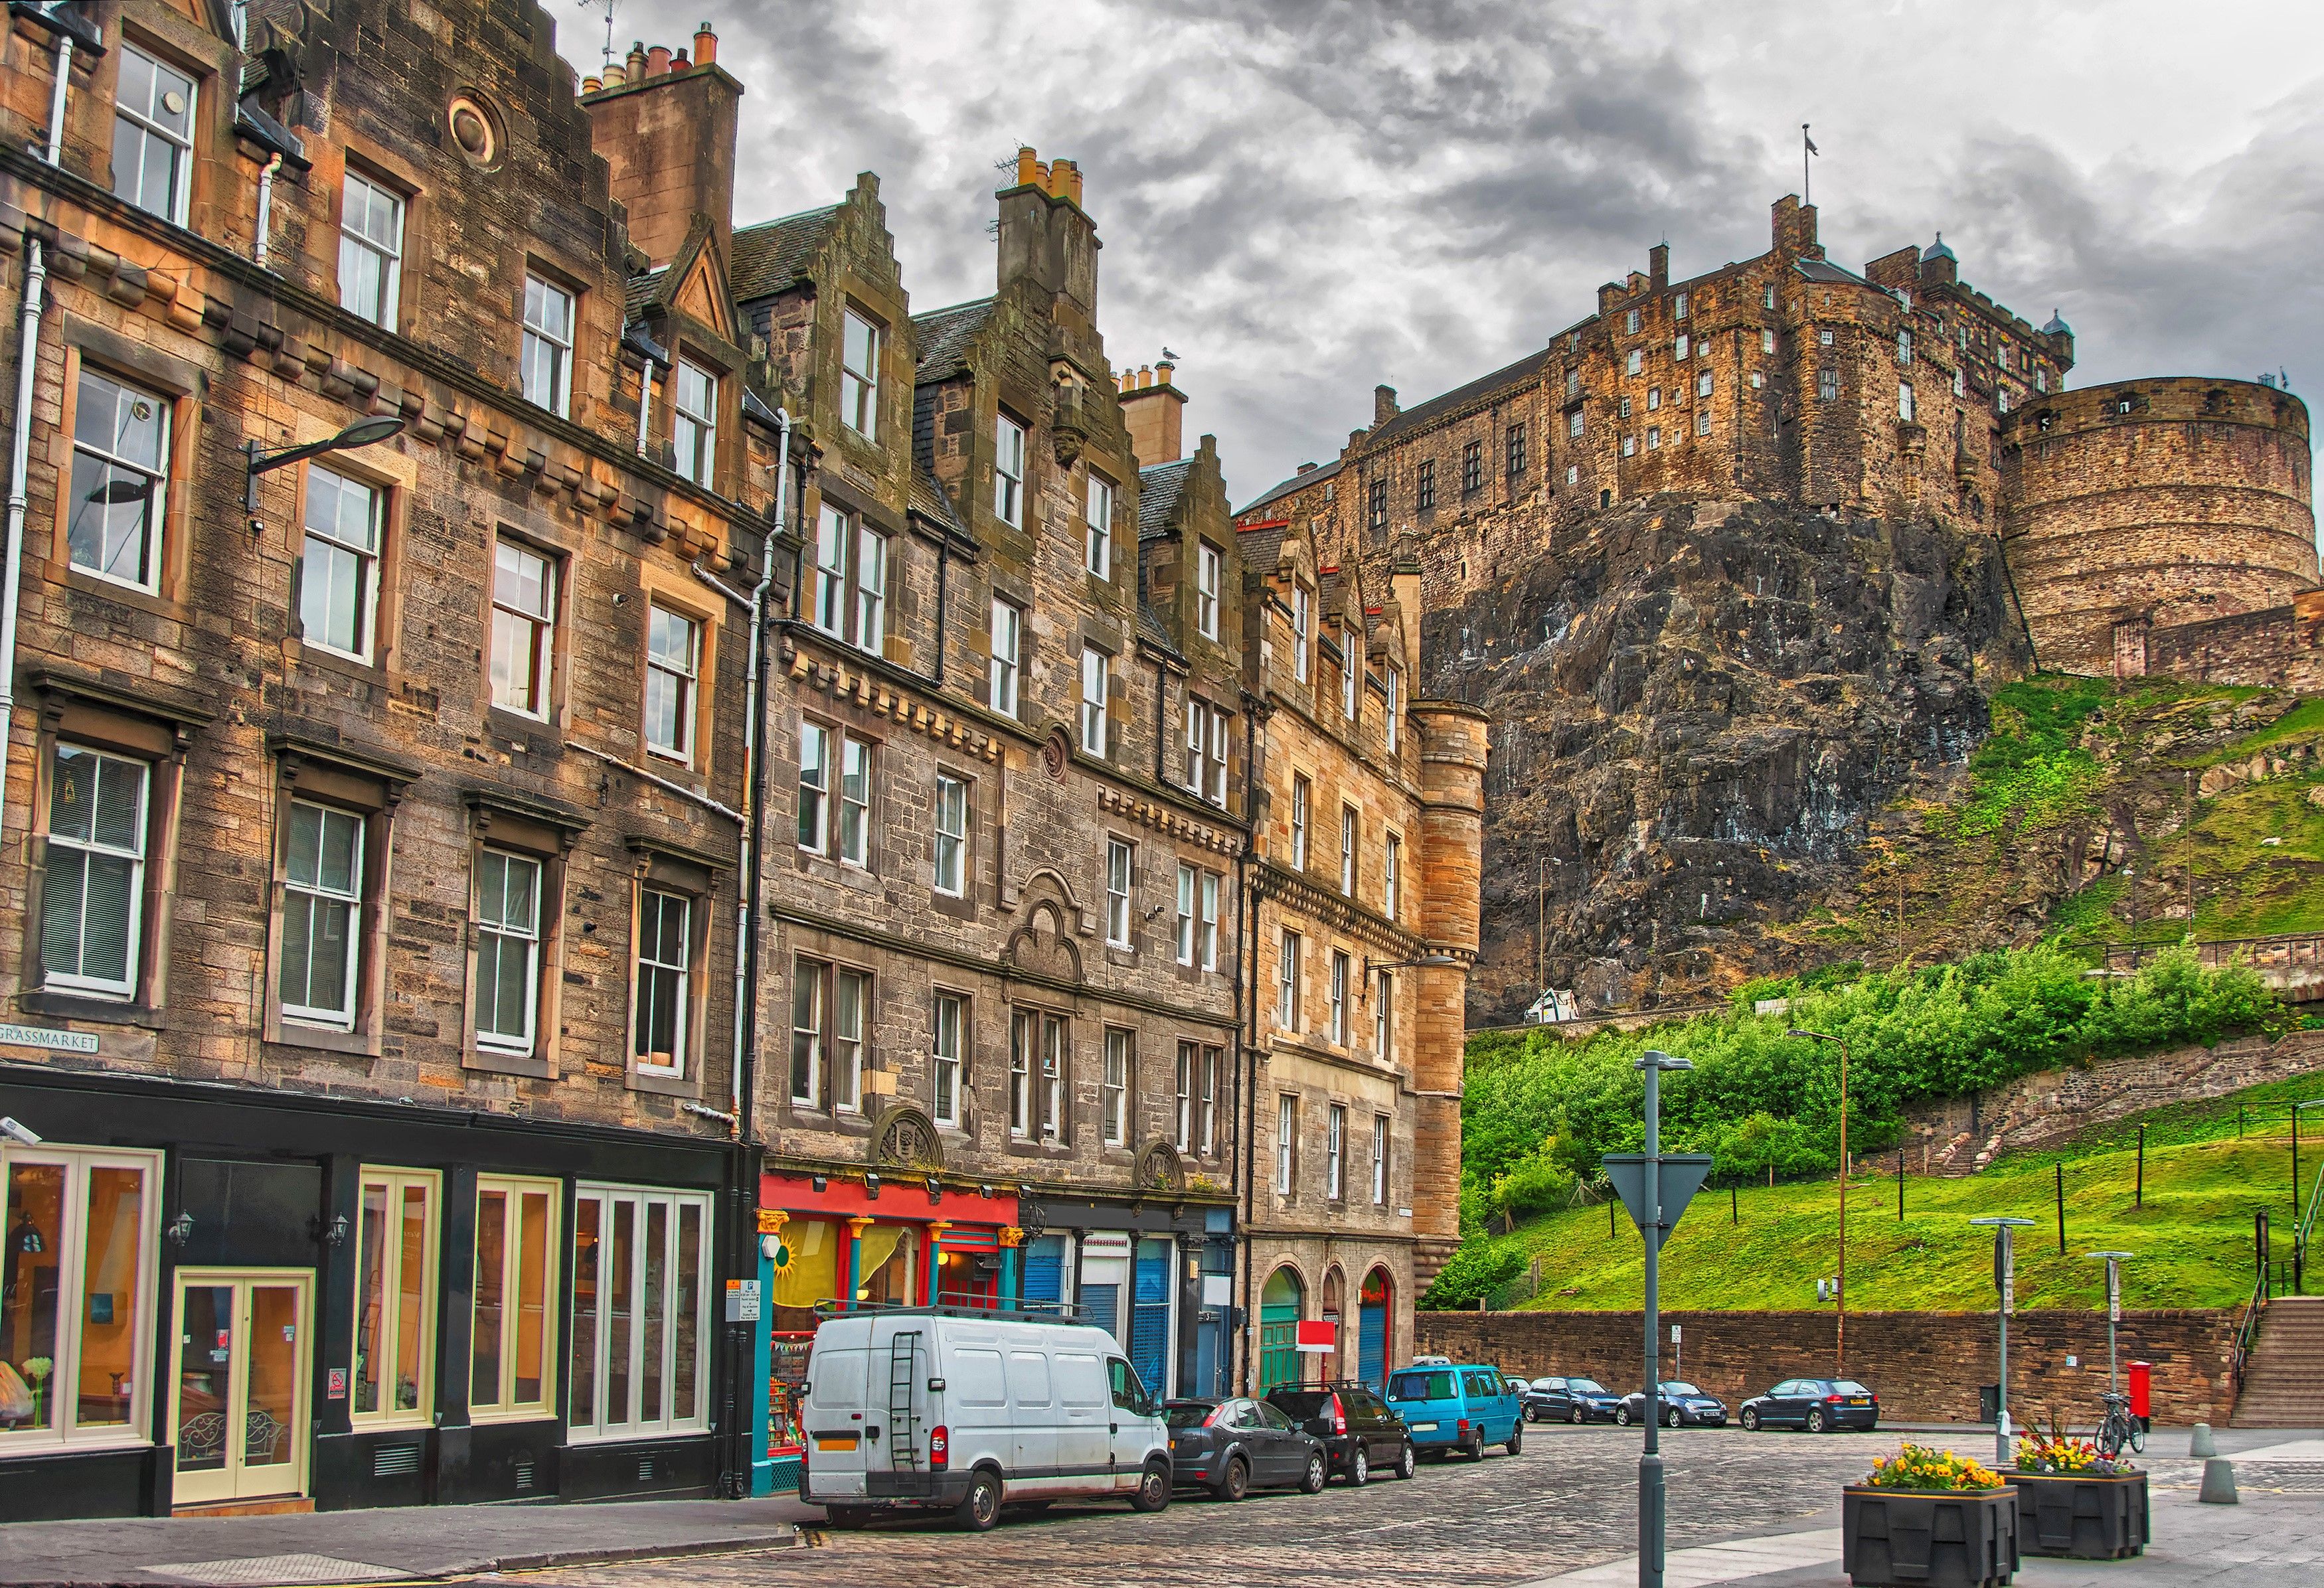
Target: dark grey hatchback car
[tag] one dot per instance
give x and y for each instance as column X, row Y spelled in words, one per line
column 1235, row 1445
column 1360, row 1434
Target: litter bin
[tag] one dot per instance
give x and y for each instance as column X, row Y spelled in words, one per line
column 1988, row 1403
column 2142, row 1393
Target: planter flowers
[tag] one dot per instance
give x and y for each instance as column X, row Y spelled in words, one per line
column 1930, row 1518
column 2073, row 1501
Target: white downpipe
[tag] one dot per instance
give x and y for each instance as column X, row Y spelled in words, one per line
column 56, row 147
column 265, row 211
column 751, row 740
column 645, row 402
column 20, row 452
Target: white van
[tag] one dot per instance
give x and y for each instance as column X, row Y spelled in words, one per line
column 967, row 1410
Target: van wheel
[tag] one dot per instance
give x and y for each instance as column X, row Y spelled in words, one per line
column 1153, row 1492
column 1319, row 1473
column 1360, row 1468
column 1235, row 1481
column 980, row 1507
column 1516, row 1440
column 1407, row 1464
column 1476, row 1449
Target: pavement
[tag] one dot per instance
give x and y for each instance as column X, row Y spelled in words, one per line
column 1756, row 1508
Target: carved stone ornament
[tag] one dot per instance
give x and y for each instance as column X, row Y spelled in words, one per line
column 1159, row 1169
column 907, row 1140
column 1056, row 752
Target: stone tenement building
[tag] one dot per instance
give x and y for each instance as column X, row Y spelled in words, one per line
column 1898, row 390
column 566, row 757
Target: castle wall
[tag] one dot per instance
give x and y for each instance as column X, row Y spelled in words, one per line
column 2181, row 500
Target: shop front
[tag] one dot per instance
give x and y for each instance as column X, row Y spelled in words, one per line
column 216, row 1299
column 1159, row 1277
column 866, row 1239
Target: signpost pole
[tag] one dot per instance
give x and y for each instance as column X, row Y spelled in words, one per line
column 2114, row 1312
column 1650, row 1464
column 2003, row 1283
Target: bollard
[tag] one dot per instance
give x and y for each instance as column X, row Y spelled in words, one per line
column 2219, row 1482
column 2202, row 1447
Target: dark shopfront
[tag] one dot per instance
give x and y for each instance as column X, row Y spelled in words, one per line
column 1157, row 1274
column 219, row 1297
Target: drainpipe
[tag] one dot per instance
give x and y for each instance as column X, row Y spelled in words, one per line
column 753, row 773
column 645, row 406
column 1247, row 994
column 265, row 210
column 36, row 277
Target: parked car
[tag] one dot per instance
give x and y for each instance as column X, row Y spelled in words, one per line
column 1820, row 1406
column 1682, row 1405
column 920, row 1408
column 1234, row 1446
column 1461, row 1406
column 1569, row 1401
column 1358, row 1431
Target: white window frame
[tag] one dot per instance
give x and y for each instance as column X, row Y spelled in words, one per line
column 547, row 345
column 641, row 1283
column 1301, row 623
column 860, row 344
column 1120, row 890
column 1574, row 426
column 827, row 601
column 858, row 767
column 113, row 461
column 948, row 1041
column 694, row 422
column 810, row 1003
column 150, row 127
column 1341, row 967
column 1121, row 1058
column 1209, row 928
column 1189, row 1058
column 1097, row 668
column 870, row 590
column 357, row 239
column 535, row 628
column 1008, row 660
column 1209, row 1060
column 1301, row 795
column 1393, row 676
column 324, row 545
column 671, row 671
column 1008, row 471
column 1384, row 1017
column 1186, row 933
column 645, row 962
column 1351, row 671
column 1907, row 406
column 1349, row 858
column 315, row 896
column 1023, row 1035
column 1636, row 363
column 950, row 823
column 1097, row 508
column 850, row 1022
column 1335, row 1151
column 1379, row 1160
column 95, row 849
column 1206, row 750
column 1287, row 1143
column 504, row 928
column 816, row 786
column 63, row 1430
column 1210, row 569
column 1287, row 981
column 1392, row 875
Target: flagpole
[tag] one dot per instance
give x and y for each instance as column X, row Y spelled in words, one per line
column 1807, row 190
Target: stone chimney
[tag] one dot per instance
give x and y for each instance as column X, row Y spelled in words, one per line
column 665, row 126
column 1793, row 228
column 1658, row 264
column 1154, row 411
column 1045, row 234
column 1384, row 407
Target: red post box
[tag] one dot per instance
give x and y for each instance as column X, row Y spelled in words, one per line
column 2141, row 1390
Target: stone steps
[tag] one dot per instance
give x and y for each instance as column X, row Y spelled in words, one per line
column 2283, row 1381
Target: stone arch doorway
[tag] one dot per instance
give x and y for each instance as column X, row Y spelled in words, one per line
column 1374, row 1306
column 1334, row 1312
column 1282, row 1303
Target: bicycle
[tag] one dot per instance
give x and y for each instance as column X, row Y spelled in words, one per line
column 2119, row 1428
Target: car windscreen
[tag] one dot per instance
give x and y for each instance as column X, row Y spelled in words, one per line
column 1186, row 1414
column 1849, row 1387
column 1420, row 1387
column 1300, row 1403
column 1675, row 1387
column 1586, row 1386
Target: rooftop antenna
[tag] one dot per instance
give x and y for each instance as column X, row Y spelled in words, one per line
column 607, row 7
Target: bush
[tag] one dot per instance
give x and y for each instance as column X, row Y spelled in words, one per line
column 1537, row 1183
column 1478, row 1269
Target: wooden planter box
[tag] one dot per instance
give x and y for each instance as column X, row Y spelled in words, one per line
column 2087, row 1518
column 1928, row 1538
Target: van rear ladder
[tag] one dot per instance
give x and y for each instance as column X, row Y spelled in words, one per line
column 903, row 1428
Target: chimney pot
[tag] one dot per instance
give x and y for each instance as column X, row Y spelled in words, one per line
column 1029, row 166
column 705, row 45
column 678, row 62
column 1164, row 370
column 657, row 60
column 591, row 84
column 636, row 61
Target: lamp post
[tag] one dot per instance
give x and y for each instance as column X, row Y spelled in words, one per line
column 1840, row 1332
column 2003, row 1276
column 259, row 460
column 1650, row 1464
column 2114, row 1309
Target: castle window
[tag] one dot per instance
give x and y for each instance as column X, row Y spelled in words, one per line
column 1904, row 347
column 1653, row 437
column 1473, row 466
column 1573, row 424
column 1426, row 497
column 1629, row 447
column 1573, row 342
column 1009, row 472
column 1703, row 384
column 1758, row 379
column 1572, row 383
column 1769, row 297
column 1767, row 341
column 1380, row 504
column 1679, row 348
column 1703, row 421
column 1516, row 450
column 1906, row 405
column 2042, row 379
column 2001, row 398
column 1573, row 474
column 1824, row 336
column 1630, row 322
column 1827, row 384
column 1678, row 311
column 1623, row 408
column 1654, row 399
column 1964, row 338
column 1635, row 363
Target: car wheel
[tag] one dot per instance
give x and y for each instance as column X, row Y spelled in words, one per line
column 1622, row 1416
column 1673, row 1417
column 1575, row 1416
column 1516, row 1440
column 1751, row 1419
column 1319, row 1473
column 1360, row 1468
column 1528, row 1416
column 1816, row 1424
column 845, row 1518
column 1406, row 1463
column 980, row 1507
column 1153, row 1492
column 1235, row 1481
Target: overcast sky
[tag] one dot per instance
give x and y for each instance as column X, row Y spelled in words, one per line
column 1303, row 198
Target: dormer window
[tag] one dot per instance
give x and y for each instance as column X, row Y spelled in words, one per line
column 1009, row 472
column 1302, row 608
column 1097, row 508
column 1351, row 670
column 859, row 376
column 695, row 432
column 1208, row 568
column 1393, row 676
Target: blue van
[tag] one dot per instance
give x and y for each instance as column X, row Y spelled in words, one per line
column 1457, row 1406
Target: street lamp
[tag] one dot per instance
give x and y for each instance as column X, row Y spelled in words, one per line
column 1839, row 1334
column 258, row 460
column 1372, row 968
column 2113, row 1261
column 2004, row 1276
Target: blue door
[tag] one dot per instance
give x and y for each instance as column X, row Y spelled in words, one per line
column 1371, row 1344
column 1044, row 1276
column 1149, row 1317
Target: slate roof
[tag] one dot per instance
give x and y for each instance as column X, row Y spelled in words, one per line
column 1297, row 481
column 928, row 499
column 1159, row 490
column 1151, row 629
column 1261, row 547
column 1460, row 397
column 643, row 289
column 1824, row 270
column 769, row 256
column 944, row 335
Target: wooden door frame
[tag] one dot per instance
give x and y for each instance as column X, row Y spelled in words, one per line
column 242, row 1280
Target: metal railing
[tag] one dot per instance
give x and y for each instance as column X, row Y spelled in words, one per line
column 2288, row 951
column 2301, row 1231
column 2247, row 1329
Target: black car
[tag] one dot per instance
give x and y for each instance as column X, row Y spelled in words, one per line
column 1820, row 1406
column 1681, row 1406
column 1235, row 1445
column 1568, row 1400
column 1358, row 1431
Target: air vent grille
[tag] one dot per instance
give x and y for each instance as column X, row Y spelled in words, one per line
column 524, row 1475
column 645, row 1469
column 395, row 1461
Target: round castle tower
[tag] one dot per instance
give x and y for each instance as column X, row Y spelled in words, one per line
column 2178, row 498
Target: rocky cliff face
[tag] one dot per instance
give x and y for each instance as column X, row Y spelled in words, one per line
column 1699, row 709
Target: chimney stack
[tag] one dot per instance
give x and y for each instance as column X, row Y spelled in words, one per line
column 1154, row 412
column 666, row 127
column 1658, row 264
column 1384, row 407
column 1048, row 236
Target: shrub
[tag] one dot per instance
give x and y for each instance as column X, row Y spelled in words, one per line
column 1478, row 1269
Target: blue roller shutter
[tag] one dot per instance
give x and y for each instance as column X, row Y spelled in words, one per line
column 1149, row 1317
